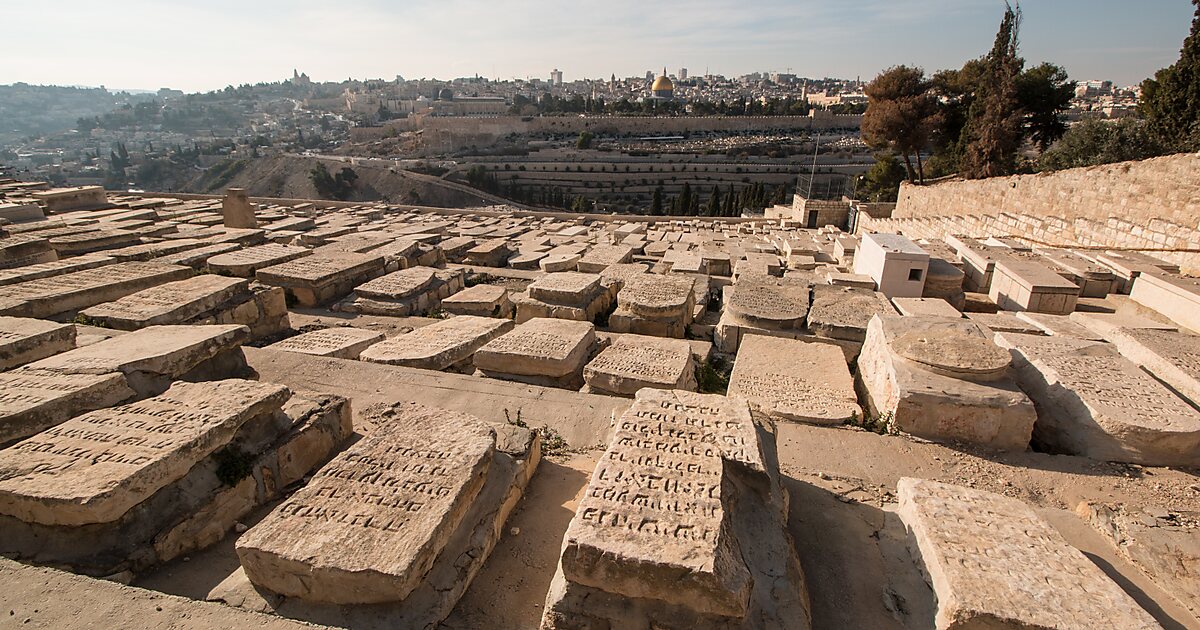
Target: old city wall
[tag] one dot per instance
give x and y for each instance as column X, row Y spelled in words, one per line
column 1151, row 205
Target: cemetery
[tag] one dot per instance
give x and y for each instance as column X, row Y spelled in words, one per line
column 361, row 415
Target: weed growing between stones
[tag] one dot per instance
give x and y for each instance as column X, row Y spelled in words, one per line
column 233, row 465
column 712, row 376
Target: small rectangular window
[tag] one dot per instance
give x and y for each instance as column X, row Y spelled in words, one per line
column 914, row 275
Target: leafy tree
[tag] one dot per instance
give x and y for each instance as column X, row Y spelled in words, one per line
column 1045, row 94
column 656, row 203
column 1171, row 100
column 996, row 122
column 585, row 140
column 901, row 114
column 882, row 181
column 713, row 208
column 1093, row 141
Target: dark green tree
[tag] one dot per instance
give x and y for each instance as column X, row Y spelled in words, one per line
column 901, row 115
column 1093, row 141
column 1171, row 100
column 1045, row 94
column 656, row 202
column 996, row 121
column 585, row 140
column 713, row 207
column 882, row 182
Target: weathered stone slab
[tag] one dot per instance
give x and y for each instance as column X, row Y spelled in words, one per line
column 601, row 256
column 171, row 303
column 923, row 306
column 78, row 290
column 33, row 400
column 482, row 300
column 540, row 347
column 321, row 278
column 243, row 263
column 943, row 379
column 765, row 301
column 23, row 340
column 371, row 523
column 19, row 250
column 566, row 288
column 1096, row 403
column 94, row 468
column 1059, row 325
column 339, row 343
column 152, row 357
column 632, row 362
column 413, row 291
column 1172, row 356
column 993, row 563
column 38, row 271
column 843, row 312
column 1174, row 296
column 439, row 346
column 656, row 541
column 1020, row 284
column 398, row 284
column 1006, row 322
column 93, row 241
column 1103, row 324
column 794, row 380
column 197, row 257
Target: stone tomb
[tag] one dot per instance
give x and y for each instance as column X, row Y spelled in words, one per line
column 338, row 343
column 243, row 263
column 1095, row 403
column 541, row 351
column 652, row 304
column 445, row 345
column 131, row 486
column 923, row 306
column 204, row 299
column 681, row 526
column 490, row 253
column 322, row 278
column 632, row 362
column 1176, row 297
column 943, row 380
column 1171, row 356
column 566, row 295
column 598, row 258
column 1058, row 325
column 481, row 300
column 19, row 250
column 994, row 563
column 32, row 400
column 38, row 271
column 404, row 518
column 23, row 340
column 416, row 291
column 1025, row 285
column 842, row 312
column 67, row 293
column 798, row 381
column 764, row 305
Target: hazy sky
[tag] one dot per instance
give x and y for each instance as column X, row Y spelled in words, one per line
column 203, row 45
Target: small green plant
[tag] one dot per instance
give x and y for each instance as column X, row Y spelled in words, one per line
column 479, row 278
column 553, row 442
column 516, row 423
column 712, row 376
column 233, row 465
column 437, row 313
column 881, row 424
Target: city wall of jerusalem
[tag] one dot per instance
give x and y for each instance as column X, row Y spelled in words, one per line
column 245, row 412
column 1150, row 206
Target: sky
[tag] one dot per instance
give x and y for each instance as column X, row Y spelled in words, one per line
column 205, row 45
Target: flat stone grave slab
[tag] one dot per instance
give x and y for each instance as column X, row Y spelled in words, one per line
column 601, row 256
column 94, row 468
column 38, row 271
column 408, row 292
column 321, row 278
column 913, row 306
column 1103, row 324
column 1095, row 403
column 398, row 284
column 23, row 340
column 339, row 343
column 152, row 357
column 1059, row 326
column 843, row 312
column 1176, row 297
column 482, row 300
column 553, row 349
column 1171, row 356
column 243, row 263
column 439, row 346
column 632, row 362
column 171, row 303
column 47, row 297
column 793, row 380
column 992, row 562
column 1005, row 322
column 566, row 288
column 554, row 263
column 198, row 257
column 765, row 301
column 656, row 540
column 943, row 380
column 372, row 523
column 32, row 400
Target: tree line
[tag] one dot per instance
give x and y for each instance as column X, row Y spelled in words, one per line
column 995, row 117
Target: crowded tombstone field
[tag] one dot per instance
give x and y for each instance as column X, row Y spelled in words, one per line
column 368, row 415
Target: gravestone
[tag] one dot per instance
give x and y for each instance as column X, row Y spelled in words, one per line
column 243, row 263
column 993, row 562
column 322, row 278
column 447, row 344
column 1171, row 356
column 540, row 351
column 481, row 300
column 403, row 519
column 566, row 295
column 943, row 380
column 632, row 362
column 798, row 381
column 36, row 271
column 843, row 312
column 23, row 340
column 1098, row 404
column 408, row 292
column 765, row 305
column 656, row 541
column 339, row 343
column 171, row 303
column 32, row 400
column 601, row 256
column 917, row 306
column 63, row 294
column 651, row 304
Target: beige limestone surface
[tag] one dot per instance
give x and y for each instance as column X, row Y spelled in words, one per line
column 23, row 339
column 993, row 563
column 341, row 342
column 440, row 345
column 171, row 303
column 632, row 362
column 94, row 468
column 794, row 380
column 243, row 263
column 539, row 347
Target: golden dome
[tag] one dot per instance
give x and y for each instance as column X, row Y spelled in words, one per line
column 662, row 84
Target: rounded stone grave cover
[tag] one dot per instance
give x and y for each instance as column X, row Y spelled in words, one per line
column 953, row 353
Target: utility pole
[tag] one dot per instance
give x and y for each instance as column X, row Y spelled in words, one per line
column 813, row 176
